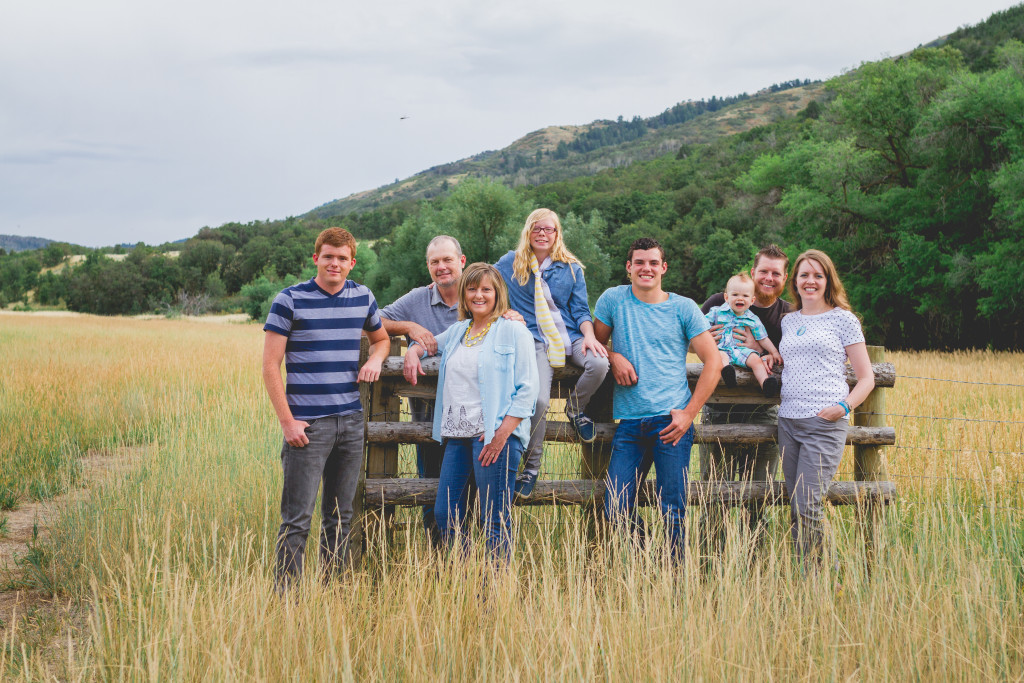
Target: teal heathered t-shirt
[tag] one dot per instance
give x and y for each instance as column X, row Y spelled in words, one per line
column 655, row 339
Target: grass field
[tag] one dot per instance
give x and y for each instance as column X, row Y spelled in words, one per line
column 167, row 566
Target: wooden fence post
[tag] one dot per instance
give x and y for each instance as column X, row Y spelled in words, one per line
column 869, row 461
column 381, row 403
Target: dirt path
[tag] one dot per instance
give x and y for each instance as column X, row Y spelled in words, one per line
column 30, row 523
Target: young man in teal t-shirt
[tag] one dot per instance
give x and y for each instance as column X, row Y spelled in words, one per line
column 651, row 332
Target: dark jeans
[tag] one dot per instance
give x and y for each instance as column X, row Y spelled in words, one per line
column 736, row 462
column 495, row 483
column 637, row 443
column 334, row 455
column 428, row 465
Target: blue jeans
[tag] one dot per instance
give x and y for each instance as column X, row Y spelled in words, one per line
column 495, row 483
column 635, row 446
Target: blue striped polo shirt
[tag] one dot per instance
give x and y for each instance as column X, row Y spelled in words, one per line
column 321, row 357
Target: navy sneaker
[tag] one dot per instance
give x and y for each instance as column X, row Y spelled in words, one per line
column 584, row 428
column 524, row 484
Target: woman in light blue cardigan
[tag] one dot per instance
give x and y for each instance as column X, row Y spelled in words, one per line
column 486, row 392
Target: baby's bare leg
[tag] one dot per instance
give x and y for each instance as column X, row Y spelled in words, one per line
column 728, row 371
column 756, row 366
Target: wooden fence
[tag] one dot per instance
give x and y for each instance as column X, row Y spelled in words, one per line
column 385, row 432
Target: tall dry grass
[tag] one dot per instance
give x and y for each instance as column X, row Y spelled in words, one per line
column 174, row 559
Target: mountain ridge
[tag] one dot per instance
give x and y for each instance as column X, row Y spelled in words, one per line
column 13, row 243
column 518, row 163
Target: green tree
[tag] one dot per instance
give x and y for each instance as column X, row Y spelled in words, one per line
column 401, row 260
column 204, row 256
column 721, row 256
column 50, row 289
column 485, row 216
column 583, row 239
column 54, row 253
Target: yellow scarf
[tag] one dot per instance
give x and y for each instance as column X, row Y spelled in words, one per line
column 553, row 342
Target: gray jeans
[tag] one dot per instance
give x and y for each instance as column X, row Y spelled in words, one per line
column 594, row 369
column 334, row 455
column 812, row 448
column 736, row 462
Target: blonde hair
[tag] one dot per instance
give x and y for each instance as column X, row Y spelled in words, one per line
column 472, row 276
column 521, row 263
column 739, row 277
column 835, row 293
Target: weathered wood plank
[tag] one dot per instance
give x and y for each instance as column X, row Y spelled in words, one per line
column 419, row 432
column 582, row 491
column 885, row 374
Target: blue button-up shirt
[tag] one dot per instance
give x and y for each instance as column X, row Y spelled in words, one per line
column 568, row 290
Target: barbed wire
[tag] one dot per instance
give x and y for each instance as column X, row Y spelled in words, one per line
column 972, row 480
column 960, row 381
column 900, row 446
column 938, row 417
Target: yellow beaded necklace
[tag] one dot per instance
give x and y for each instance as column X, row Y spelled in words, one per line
column 474, row 339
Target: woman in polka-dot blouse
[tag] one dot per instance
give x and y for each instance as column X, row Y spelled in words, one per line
column 817, row 339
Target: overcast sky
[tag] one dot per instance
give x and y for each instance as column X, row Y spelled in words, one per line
column 128, row 120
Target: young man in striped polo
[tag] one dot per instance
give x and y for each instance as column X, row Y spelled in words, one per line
column 314, row 327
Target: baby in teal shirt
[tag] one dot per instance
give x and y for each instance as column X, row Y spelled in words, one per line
column 733, row 314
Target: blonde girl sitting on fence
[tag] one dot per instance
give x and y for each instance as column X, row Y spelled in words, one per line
column 547, row 287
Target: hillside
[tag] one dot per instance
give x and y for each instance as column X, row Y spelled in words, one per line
column 559, row 153
column 13, row 243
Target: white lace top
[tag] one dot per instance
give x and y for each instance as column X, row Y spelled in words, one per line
column 463, row 415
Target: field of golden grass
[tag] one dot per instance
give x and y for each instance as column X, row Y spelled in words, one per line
column 167, row 566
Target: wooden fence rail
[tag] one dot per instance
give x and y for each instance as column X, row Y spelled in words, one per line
column 588, row 491
column 419, row 432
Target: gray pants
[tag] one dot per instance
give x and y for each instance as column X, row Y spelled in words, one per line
column 736, row 462
column 333, row 455
column 594, row 369
column 812, row 448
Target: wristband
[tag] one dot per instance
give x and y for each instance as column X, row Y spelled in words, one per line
column 846, row 407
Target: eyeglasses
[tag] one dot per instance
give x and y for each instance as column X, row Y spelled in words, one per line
column 538, row 229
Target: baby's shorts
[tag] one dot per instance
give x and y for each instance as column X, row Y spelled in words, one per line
column 738, row 355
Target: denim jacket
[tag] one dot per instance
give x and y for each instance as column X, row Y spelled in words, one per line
column 568, row 289
column 508, row 375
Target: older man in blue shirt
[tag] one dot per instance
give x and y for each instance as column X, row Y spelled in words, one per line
column 420, row 315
